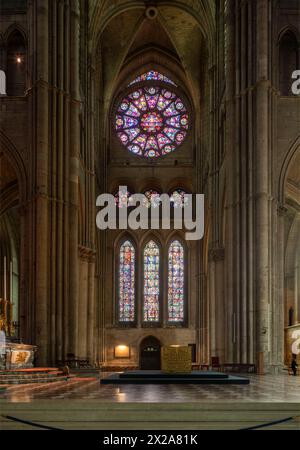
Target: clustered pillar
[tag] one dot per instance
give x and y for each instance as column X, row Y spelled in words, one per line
column 54, row 321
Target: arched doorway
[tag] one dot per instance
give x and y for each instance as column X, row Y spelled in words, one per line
column 150, row 353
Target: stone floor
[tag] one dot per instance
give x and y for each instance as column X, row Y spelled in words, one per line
column 267, row 388
column 82, row 403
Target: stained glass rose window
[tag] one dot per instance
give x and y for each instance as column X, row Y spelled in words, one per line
column 151, row 121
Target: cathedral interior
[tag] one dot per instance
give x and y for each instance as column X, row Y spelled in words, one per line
column 166, row 96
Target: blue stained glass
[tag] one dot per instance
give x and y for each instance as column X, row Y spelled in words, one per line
column 174, row 121
column 151, row 282
column 176, row 282
column 170, row 132
column 127, row 282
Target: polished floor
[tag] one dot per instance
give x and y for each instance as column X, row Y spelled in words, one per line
column 267, row 388
column 82, row 403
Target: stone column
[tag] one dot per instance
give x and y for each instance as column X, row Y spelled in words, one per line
column 73, row 178
column 66, row 209
column 217, row 305
column 279, row 301
column 91, row 313
column 83, row 305
column 41, row 151
column 230, row 316
column 262, row 165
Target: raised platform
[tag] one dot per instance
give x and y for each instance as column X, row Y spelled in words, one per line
column 158, row 377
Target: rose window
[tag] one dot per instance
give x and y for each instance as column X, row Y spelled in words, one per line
column 151, row 121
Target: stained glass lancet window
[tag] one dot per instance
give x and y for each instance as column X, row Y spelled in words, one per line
column 176, row 282
column 152, row 75
column 151, row 282
column 127, row 282
column 151, row 121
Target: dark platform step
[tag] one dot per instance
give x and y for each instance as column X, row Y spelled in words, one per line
column 159, row 374
column 196, row 377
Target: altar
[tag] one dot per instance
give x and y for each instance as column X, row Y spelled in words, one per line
column 176, row 359
column 13, row 353
column 16, row 355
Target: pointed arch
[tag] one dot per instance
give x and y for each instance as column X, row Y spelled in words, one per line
column 16, row 62
column 15, row 159
column 289, row 29
column 290, row 157
column 15, row 27
column 288, row 60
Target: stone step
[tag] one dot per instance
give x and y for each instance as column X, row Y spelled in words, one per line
column 28, row 371
column 36, row 387
column 30, row 380
column 33, row 375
